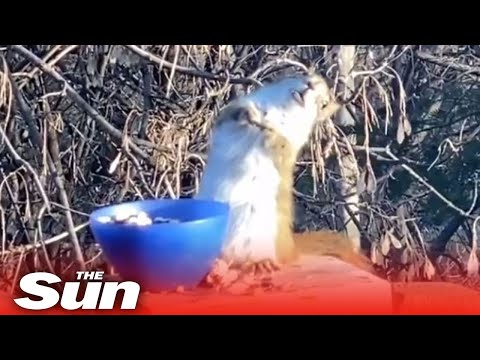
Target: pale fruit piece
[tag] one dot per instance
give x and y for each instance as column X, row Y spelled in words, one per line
column 104, row 219
column 123, row 215
column 144, row 219
column 140, row 220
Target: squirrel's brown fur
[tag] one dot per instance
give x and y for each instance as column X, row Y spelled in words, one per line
column 329, row 243
column 291, row 245
column 281, row 142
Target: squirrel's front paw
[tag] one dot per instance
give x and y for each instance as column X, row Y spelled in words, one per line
column 262, row 267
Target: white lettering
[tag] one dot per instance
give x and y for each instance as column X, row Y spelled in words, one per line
column 29, row 284
column 68, row 300
column 130, row 296
column 98, row 275
column 90, row 275
column 90, row 298
column 80, row 275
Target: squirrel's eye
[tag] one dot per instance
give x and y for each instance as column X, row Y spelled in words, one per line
column 324, row 103
column 298, row 97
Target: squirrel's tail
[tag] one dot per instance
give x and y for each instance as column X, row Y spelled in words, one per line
column 328, row 243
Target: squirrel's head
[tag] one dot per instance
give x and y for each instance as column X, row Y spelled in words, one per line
column 292, row 106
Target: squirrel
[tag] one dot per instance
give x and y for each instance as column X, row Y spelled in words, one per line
column 255, row 143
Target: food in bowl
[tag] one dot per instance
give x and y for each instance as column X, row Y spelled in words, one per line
column 162, row 243
column 131, row 217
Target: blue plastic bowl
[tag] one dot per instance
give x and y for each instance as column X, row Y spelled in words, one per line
column 166, row 255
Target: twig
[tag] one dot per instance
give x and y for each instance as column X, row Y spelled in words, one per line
column 14, row 203
column 430, row 187
column 380, row 69
column 36, row 138
column 274, row 63
column 38, row 245
column 147, row 101
column 55, row 166
column 52, row 62
column 29, row 167
column 185, row 70
column 39, row 235
column 448, row 62
column 109, row 128
column 24, row 109
column 26, row 112
column 17, row 272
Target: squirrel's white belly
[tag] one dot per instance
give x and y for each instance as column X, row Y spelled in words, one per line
column 240, row 173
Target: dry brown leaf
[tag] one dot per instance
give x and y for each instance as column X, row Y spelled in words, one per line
column 385, row 244
column 393, row 239
column 405, row 257
column 380, row 257
column 376, row 255
column 407, row 126
column 472, row 266
column 373, row 253
column 367, row 182
column 370, row 181
column 361, row 185
column 400, row 132
column 395, row 242
column 429, row 269
column 418, row 269
column 412, row 272
column 404, row 228
column 113, row 166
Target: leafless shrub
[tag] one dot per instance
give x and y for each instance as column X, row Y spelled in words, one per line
column 82, row 126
